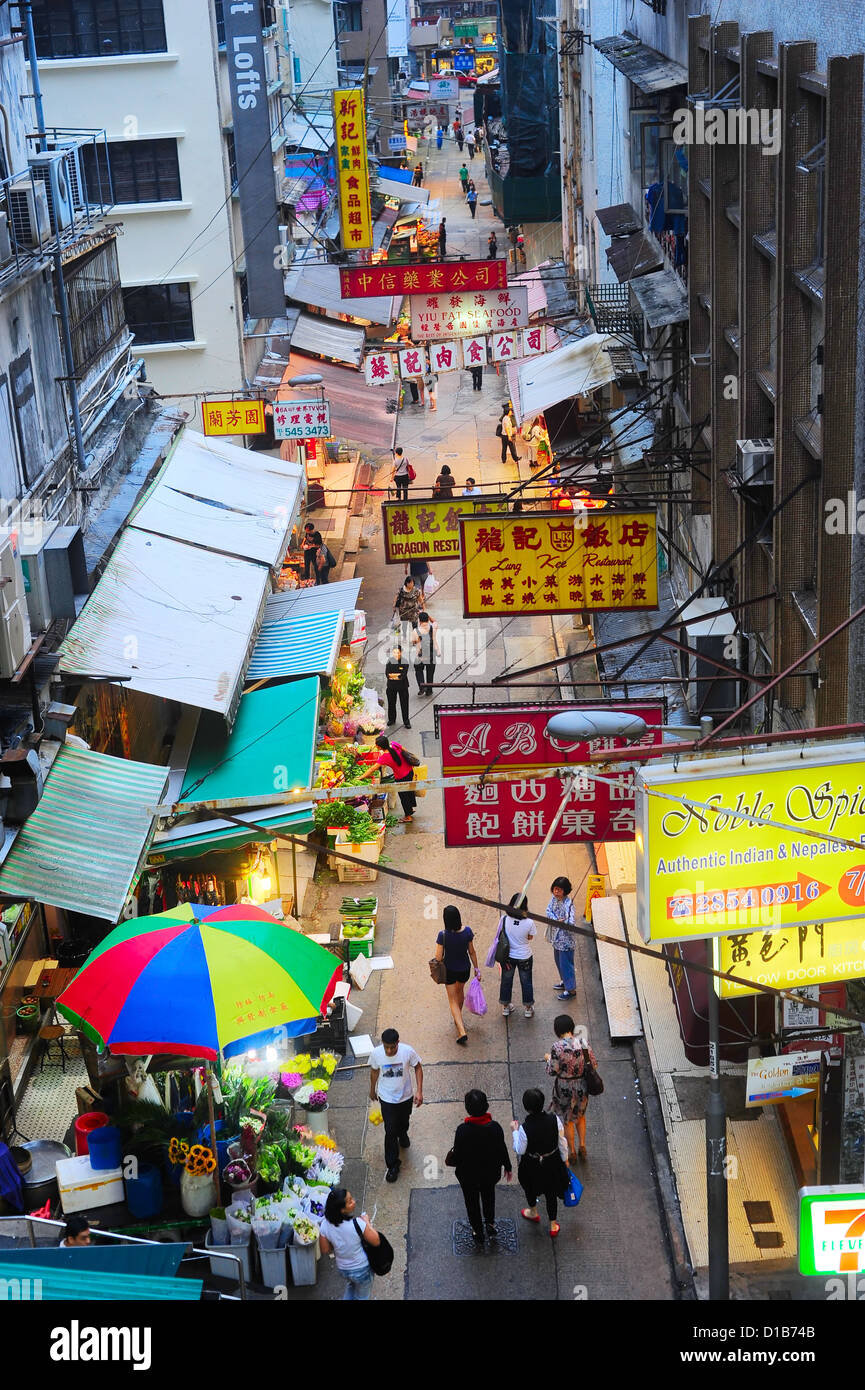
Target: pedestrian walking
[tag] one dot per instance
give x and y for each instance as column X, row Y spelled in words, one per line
column 402, row 475
column 464, row 179
column 427, row 650
column 419, row 571
column 394, row 756
column 324, row 561
column 472, row 200
column 566, row 1063
column 455, row 946
column 493, row 247
column 507, row 431
column 443, row 237
column 478, row 1155
column 417, row 181
column 470, row 145
column 561, row 908
column 390, row 1078
column 539, row 1143
column 443, row 487
column 342, row 1235
column 440, row 135
column 519, row 931
column 471, row 489
column 309, row 548
column 406, row 608
column 460, row 138
column 477, row 378
column 431, row 383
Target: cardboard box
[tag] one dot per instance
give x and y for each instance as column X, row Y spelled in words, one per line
column 81, row 1186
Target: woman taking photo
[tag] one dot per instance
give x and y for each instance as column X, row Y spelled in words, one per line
column 566, row 1063
column 539, row 1143
column 455, row 946
column 392, row 755
column 340, row 1236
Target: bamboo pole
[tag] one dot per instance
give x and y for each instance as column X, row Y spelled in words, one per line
column 212, row 1123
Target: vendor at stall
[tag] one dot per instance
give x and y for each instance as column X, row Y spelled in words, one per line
column 76, row 1232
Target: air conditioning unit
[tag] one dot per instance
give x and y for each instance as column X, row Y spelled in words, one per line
column 28, row 213
column 55, row 574
column 715, row 637
column 15, row 638
column 71, row 152
column 50, row 170
column 756, row 461
column 12, row 589
column 287, row 246
column 5, row 243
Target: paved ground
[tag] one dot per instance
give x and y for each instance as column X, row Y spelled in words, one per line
column 594, row 1255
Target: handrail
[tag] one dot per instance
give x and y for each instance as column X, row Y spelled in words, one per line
column 127, row 1240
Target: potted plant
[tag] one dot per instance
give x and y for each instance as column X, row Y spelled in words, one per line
column 28, row 1017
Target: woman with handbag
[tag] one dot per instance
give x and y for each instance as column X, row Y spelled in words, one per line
column 455, row 949
column 479, row 1154
column 344, row 1236
column 539, row 1143
column 575, row 1076
column 394, row 756
column 561, row 909
column 514, row 953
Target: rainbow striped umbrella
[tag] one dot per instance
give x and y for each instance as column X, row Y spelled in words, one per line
column 197, row 981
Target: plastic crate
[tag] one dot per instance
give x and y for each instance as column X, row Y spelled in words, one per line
column 359, row 945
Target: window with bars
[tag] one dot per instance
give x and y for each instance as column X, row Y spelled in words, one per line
column 142, row 171
column 159, row 313
column 98, row 28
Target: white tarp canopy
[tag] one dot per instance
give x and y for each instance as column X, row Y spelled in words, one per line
column 539, row 382
column 329, row 338
column 212, row 493
column 315, row 283
column 395, row 188
column 176, row 621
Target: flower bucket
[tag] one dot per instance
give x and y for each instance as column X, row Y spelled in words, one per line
column 316, row 1119
column 218, row 1226
column 302, row 1260
column 196, row 1193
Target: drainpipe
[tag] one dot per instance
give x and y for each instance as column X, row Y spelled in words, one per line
column 62, row 301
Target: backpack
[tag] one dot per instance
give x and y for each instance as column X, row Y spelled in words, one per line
column 411, row 474
column 499, row 430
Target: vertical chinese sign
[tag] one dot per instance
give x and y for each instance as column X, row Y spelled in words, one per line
column 552, row 562
column 352, row 169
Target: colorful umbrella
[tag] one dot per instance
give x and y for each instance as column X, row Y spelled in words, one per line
column 199, row 980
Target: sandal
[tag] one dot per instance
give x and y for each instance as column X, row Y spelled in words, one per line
column 526, row 1214
column 554, row 1229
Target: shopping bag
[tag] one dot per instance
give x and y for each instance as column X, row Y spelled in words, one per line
column 430, row 585
column 574, row 1192
column 491, row 953
column 475, row 1001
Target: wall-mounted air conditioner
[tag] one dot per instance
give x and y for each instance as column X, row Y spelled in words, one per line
column 756, row 461
column 12, row 588
column 50, row 171
column 5, row 243
column 708, row 689
column 55, row 575
column 71, row 152
column 15, row 638
column 29, row 218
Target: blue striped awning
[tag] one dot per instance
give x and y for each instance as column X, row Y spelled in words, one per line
column 297, row 647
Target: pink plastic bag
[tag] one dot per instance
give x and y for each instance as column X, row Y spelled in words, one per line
column 475, row 1001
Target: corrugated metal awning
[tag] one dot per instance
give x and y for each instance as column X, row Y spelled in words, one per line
column 633, row 434
column 537, row 296
column 395, row 188
column 619, row 220
column 539, row 382
column 317, row 284
column 633, row 255
column 81, row 847
column 323, row 598
column 199, row 837
column 274, row 733
column 176, row 621
column 662, row 298
column 74, row 1285
column 209, row 492
column 297, row 647
column 648, row 69
column 326, row 338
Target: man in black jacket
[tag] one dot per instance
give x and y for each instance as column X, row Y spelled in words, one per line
column 479, row 1154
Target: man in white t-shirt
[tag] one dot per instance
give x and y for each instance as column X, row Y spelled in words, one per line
column 390, row 1069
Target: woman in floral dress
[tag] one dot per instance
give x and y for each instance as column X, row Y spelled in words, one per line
column 566, row 1064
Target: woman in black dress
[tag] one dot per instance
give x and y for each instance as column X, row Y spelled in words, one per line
column 540, row 1145
column 479, row 1154
column 455, row 946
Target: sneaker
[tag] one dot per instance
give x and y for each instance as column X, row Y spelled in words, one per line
column 391, row 1175
column 492, row 1230
column 507, row 1010
column 564, row 994
column 406, row 725
column 529, row 1011
column 404, row 1141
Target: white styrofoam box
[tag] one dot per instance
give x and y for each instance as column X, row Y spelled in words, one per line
column 82, row 1186
column 353, row 1015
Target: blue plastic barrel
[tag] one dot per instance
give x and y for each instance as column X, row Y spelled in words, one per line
column 144, row 1193
column 104, row 1147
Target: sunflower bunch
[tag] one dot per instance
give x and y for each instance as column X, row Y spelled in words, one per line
column 200, row 1160
column 178, row 1152
column 323, row 1141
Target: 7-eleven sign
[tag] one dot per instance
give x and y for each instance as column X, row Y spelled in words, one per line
column 831, row 1229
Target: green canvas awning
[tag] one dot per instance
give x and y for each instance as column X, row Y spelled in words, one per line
column 271, row 748
column 209, row 837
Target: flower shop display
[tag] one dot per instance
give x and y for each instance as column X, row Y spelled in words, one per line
column 198, row 1164
column 240, row 1176
column 305, row 1230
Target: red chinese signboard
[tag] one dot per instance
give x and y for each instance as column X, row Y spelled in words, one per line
column 511, row 737
column 369, row 281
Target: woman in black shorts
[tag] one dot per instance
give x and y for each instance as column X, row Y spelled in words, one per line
column 455, row 946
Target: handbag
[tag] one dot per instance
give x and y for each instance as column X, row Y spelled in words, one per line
column 438, row 971
column 411, row 474
column 450, row 1160
column 380, row 1256
column 594, row 1084
column 503, row 947
column 574, row 1192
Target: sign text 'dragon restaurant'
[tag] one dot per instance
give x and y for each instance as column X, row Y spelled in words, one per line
column 723, row 845
column 550, row 562
column 427, row 529
column 511, row 738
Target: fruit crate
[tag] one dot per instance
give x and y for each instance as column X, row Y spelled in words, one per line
column 358, row 945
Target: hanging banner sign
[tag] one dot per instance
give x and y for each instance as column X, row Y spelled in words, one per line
column 832, row 1230
column 412, row 362
column 511, row 736
column 706, row 871
column 378, row 368
column 371, row 281
column 521, row 813
column 533, row 340
column 554, row 562
column 429, row 530
column 467, row 315
column 504, row 348
column 419, row 112
column 233, row 417
column 301, row 419
column 772, row 1080
column 444, row 357
column 397, row 28
column 792, row 957
column 396, row 143
column 352, row 169
column 444, row 88
column 474, row 352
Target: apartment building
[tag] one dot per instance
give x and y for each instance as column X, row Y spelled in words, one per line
column 155, row 75
column 362, row 32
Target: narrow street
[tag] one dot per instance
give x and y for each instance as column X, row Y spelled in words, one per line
column 593, row 1257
